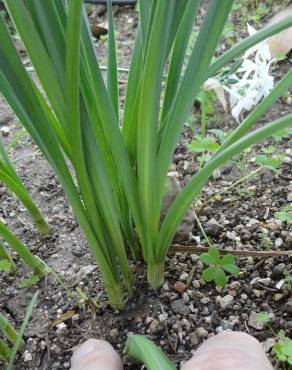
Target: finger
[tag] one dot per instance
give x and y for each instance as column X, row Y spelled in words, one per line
column 96, row 355
column 229, row 351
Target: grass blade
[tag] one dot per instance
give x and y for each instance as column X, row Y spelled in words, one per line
column 21, row 331
column 9, row 332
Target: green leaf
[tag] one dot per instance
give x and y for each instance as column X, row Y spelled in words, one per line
column 112, row 71
column 25, row 282
column 220, row 134
column 215, row 255
column 228, row 259
column 146, row 352
column 284, row 216
column 206, row 259
column 209, row 273
column 232, row 269
column 263, row 317
column 273, row 163
column 5, row 265
column 202, row 144
column 220, row 277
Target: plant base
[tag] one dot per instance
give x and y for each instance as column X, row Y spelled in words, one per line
column 116, row 297
column 155, row 275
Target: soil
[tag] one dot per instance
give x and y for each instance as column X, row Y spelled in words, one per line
column 179, row 316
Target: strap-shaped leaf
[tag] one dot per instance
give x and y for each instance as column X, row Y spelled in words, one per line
column 143, row 350
column 194, row 76
column 112, row 70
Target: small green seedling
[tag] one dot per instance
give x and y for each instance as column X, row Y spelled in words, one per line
column 263, row 317
column 288, row 279
column 283, row 350
column 283, row 347
column 285, row 215
column 272, row 163
column 266, row 242
column 202, row 144
column 218, row 266
column 30, row 281
column 269, row 149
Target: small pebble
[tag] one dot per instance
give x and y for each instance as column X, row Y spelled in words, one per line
column 201, row 332
column 224, row 301
column 184, row 276
column 180, row 287
column 5, row 131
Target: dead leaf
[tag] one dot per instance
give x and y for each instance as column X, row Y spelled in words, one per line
column 64, row 317
column 281, row 44
column 212, row 84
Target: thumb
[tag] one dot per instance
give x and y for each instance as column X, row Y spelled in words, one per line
column 96, row 355
column 229, row 351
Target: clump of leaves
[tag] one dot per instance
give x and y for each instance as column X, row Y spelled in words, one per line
column 283, row 347
column 288, row 279
column 283, row 350
column 285, row 215
column 218, row 266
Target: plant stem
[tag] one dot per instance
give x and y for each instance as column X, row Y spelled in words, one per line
column 155, row 274
column 5, row 255
column 116, row 296
column 33, row 262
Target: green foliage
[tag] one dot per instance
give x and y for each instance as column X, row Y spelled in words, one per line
column 218, row 266
column 266, row 242
column 5, row 265
column 9, row 333
column 260, row 12
column 263, row 317
column 18, row 343
column 30, row 281
column 288, row 279
column 145, row 351
column 285, row 215
column 283, row 350
column 114, row 173
column 203, row 144
column 282, row 134
column 272, row 163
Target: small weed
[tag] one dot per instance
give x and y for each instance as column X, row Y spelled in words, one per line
column 30, row 281
column 266, row 242
column 218, row 266
column 288, row 279
column 272, row 163
column 285, row 215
